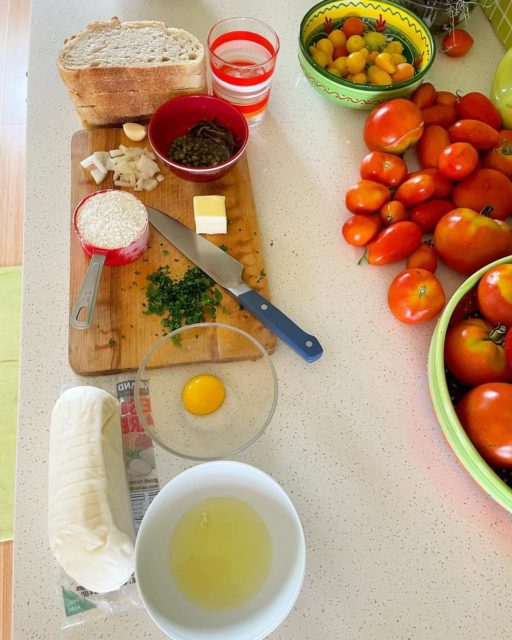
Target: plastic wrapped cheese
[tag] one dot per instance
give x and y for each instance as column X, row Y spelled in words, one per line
column 90, row 521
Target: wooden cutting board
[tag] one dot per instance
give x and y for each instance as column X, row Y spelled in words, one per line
column 121, row 334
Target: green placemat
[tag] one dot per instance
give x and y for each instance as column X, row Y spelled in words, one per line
column 10, row 312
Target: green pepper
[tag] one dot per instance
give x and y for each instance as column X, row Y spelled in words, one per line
column 501, row 92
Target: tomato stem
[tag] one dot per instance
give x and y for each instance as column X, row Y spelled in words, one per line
column 497, row 334
column 364, row 258
column 486, row 211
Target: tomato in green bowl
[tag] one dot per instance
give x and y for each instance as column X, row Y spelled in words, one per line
column 466, row 452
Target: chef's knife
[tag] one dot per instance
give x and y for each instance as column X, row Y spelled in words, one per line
column 227, row 271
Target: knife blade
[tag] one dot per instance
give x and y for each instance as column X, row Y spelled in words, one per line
column 227, row 272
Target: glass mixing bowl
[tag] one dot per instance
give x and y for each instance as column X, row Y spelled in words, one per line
column 237, row 360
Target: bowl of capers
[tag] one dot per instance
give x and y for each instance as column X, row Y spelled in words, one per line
column 198, row 137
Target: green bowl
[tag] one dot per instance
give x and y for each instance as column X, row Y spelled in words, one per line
column 453, row 431
column 402, row 25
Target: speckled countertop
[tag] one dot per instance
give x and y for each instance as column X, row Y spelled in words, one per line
column 401, row 543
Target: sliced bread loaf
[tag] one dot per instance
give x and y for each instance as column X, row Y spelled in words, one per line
column 116, row 71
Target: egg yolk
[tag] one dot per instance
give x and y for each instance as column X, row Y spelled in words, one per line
column 203, row 395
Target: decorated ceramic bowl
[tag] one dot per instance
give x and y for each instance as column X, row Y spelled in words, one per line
column 395, row 22
column 453, row 431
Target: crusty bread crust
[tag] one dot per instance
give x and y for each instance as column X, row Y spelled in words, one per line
column 105, row 95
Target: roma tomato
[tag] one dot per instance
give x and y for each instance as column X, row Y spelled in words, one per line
column 392, row 212
column 423, row 258
column 500, row 158
column 485, row 187
column 366, row 196
column 415, row 190
column 443, row 186
column 447, row 98
column 358, row 230
column 427, row 214
column 440, row 114
column 386, row 168
column 477, row 106
column 466, row 240
column 494, row 295
column 458, row 160
column 393, row 126
column 479, row 134
column 424, row 95
column 415, row 296
column 485, row 412
column 430, row 145
column 457, row 43
column 394, row 243
column 508, row 347
column 474, row 353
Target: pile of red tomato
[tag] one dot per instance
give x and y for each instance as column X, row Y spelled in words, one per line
column 478, row 355
column 460, row 196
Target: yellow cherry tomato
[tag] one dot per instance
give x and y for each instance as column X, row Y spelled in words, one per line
column 340, row 64
column 365, row 52
column 311, row 49
column 359, row 78
column 395, row 47
column 356, row 62
column 335, row 72
column 374, row 40
column 355, row 43
column 403, row 72
column 371, row 56
column 378, row 76
column 398, row 58
column 384, row 62
column 338, row 38
column 326, row 46
column 321, row 58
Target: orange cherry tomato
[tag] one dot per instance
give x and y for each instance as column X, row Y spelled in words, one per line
column 500, row 158
column 366, row 196
column 482, row 188
column 457, row 43
column 386, row 168
column 430, row 145
column 394, row 243
column 415, row 296
column 339, row 52
column 415, row 190
column 494, row 295
column 443, row 186
column 423, row 258
column 477, row 106
column 485, row 412
column 458, row 160
column 447, row 98
column 440, row 114
column 427, row 214
column 424, row 96
column 479, row 134
column 358, row 230
column 474, row 353
column 353, row 26
column 393, row 126
column 392, row 212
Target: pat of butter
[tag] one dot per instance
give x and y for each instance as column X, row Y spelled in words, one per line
column 210, row 214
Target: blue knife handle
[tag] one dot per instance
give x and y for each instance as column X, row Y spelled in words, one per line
column 302, row 343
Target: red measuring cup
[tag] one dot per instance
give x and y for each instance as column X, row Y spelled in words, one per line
column 86, row 301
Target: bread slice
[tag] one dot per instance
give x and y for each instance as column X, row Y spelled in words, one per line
column 116, row 71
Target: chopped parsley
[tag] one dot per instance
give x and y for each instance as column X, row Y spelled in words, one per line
column 181, row 302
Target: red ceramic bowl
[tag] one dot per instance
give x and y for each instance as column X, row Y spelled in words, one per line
column 174, row 118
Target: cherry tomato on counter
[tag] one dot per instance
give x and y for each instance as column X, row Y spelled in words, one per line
column 427, row 214
column 423, row 258
column 392, row 212
column 494, row 295
column 458, row 160
column 394, row 243
column 430, row 145
column 485, row 187
column 386, row 168
column 474, row 353
column 466, row 240
column 415, row 190
column 415, row 296
column 358, row 230
column 443, row 186
column 485, row 412
column 500, row 157
column 479, row 134
column 424, row 95
column 440, row 114
column 478, row 106
column 447, row 98
column 393, row 126
column 457, row 43
column 366, row 196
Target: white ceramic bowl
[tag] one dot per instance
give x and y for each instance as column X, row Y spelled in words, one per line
column 170, row 610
